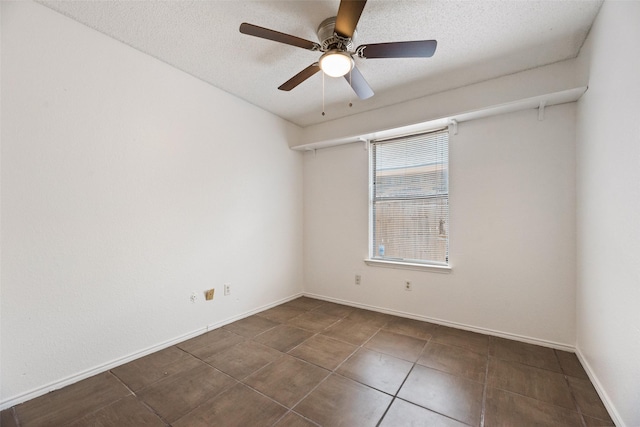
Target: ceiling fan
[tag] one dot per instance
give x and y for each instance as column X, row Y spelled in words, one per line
column 336, row 35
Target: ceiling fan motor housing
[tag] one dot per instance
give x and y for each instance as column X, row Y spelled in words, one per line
column 330, row 40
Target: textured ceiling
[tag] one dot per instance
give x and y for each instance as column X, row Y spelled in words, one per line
column 477, row 40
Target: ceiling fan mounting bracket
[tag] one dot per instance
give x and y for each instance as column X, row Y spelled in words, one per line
column 330, row 40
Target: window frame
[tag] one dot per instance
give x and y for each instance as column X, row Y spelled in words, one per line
column 397, row 263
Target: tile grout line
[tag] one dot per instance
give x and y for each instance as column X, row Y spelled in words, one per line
column 242, row 381
column 229, row 388
column 332, row 372
column 424, row 347
column 164, row 420
column 565, row 376
column 301, row 342
column 407, row 377
column 263, row 332
column 206, row 401
column 304, row 361
column 286, row 323
column 275, row 401
column 135, row 395
column 88, row 414
column 485, row 387
column 310, row 391
column 384, row 414
column 573, row 397
column 153, row 411
column 358, row 347
column 124, row 384
column 14, row 413
column 280, row 357
column 291, row 411
column 131, row 393
column 395, row 395
column 283, row 352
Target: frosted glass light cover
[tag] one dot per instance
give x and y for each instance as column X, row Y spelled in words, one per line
column 336, row 64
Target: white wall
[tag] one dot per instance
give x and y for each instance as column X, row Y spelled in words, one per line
column 608, row 206
column 512, row 243
column 126, row 185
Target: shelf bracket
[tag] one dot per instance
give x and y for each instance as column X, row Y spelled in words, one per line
column 541, row 110
column 453, row 126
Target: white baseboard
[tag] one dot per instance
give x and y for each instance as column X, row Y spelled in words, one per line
column 613, row 413
column 55, row 385
column 485, row 331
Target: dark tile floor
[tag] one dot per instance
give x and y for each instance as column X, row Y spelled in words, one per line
column 310, row 363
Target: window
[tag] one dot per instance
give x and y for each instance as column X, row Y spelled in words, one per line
column 409, row 209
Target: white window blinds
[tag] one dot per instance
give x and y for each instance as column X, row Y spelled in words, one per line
column 410, row 198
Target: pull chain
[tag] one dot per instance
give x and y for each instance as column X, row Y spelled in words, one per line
column 350, row 84
column 323, row 93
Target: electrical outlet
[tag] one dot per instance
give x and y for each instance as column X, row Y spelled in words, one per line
column 193, row 297
column 227, row 289
column 358, row 279
column 407, row 285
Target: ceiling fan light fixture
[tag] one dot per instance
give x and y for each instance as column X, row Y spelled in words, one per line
column 335, row 63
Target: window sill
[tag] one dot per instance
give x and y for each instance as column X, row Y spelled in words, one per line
column 408, row 265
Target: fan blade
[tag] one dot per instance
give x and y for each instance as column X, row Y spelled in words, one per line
column 414, row 49
column 300, row 77
column 276, row 36
column 359, row 84
column 348, row 16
